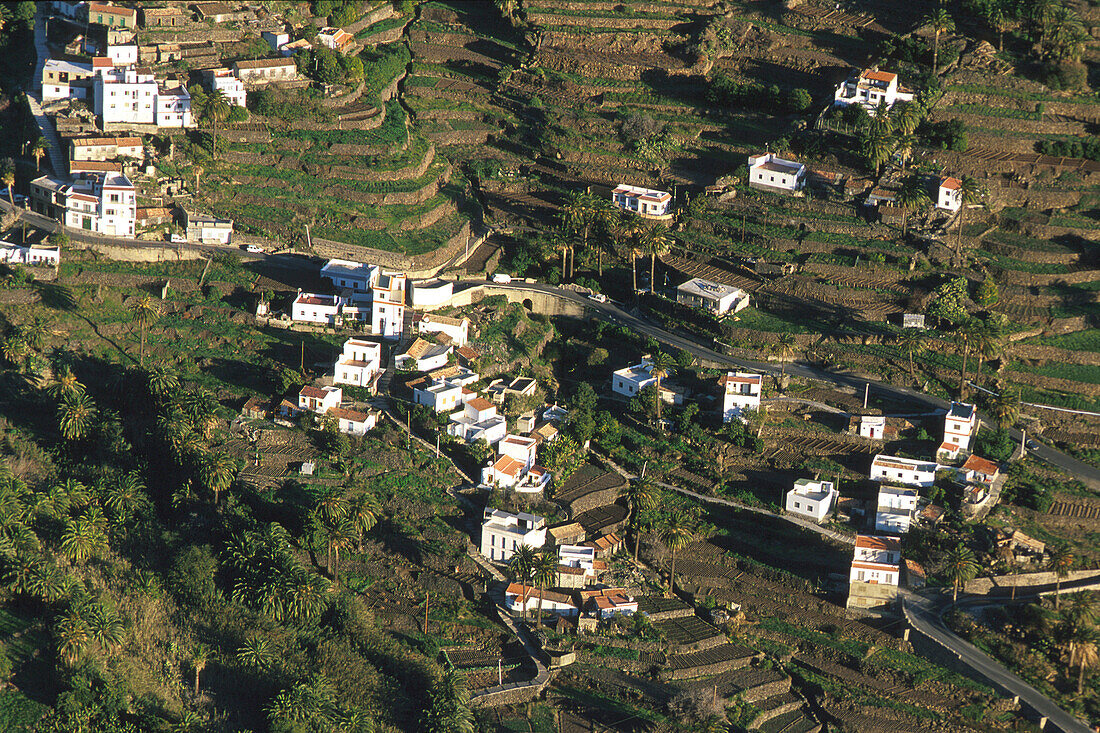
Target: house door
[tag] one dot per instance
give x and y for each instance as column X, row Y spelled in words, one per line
column 86, row 223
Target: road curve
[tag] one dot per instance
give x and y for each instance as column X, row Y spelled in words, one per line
column 924, row 613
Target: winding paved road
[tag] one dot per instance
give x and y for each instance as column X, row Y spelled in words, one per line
column 925, row 612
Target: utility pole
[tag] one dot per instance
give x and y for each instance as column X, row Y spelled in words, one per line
column 500, row 673
column 437, row 445
column 1023, row 443
column 427, row 600
column 409, row 427
column 866, row 394
column 302, row 358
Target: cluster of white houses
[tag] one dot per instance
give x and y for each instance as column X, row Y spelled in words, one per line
column 367, row 295
column 876, row 566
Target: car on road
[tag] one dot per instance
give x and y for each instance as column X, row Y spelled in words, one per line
column 254, row 249
column 598, row 297
column 502, row 278
column 177, row 239
column 1032, row 445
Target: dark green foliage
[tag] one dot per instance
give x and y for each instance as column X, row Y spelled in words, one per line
column 987, row 293
column 726, row 92
column 996, row 445
column 945, row 135
column 1027, row 489
column 1088, row 147
column 947, row 302
column 382, row 65
column 287, row 105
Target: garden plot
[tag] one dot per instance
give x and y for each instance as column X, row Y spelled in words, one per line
column 688, row 632
column 709, row 661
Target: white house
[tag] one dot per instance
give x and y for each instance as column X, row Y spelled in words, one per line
column 503, row 532
column 335, row 38
column 903, row 470
column 388, row 305
column 948, row 195
column 769, row 172
column 875, row 572
column 319, row 399
column 224, row 81
column 314, row 308
column 359, row 364
column 478, row 420
column 870, row 548
column 134, row 96
column 519, row 599
column 65, row 79
column 645, row 202
column 357, row 276
column 457, row 328
column 895, row 509
column 812, row 499
column 979, row 470
column 125, row 54
column 959, row 425
column 444, row 393
column 101, row 202
column 275, row 40
column 21, row 254
column 631, row 380
column 740, row 392
column 711, row 296
column 871, row 88
column 423, row 356
column 515, row 466
column 873, row 427
column 105, row 148
column 353, row 422
column 257, row 72
column 207, row 228
column 612, row 602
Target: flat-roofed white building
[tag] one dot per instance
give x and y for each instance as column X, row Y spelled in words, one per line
column 387, row 315
column 769, row 172
column 895, row 509
column 740, row 392
column 101, row 202
column 66, row 79
column 22, row 254
column 812, row 499
column 903, row 470
column 959, row 425
column 715, row 297
column 207, row 228
column 358, row 276
column 645, row 202
column 359, row 365
column 478, row 420
column 502, row 533
column 226, row 82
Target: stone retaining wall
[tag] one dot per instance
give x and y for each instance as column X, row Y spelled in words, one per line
column 1018, row 277
column 766, row 690
column 460, row 137
column 1049, row 353
column 382, row 12
column 1024, row 580
column 607, row 21
column 704, row 670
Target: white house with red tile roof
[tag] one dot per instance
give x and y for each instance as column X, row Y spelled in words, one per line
column 423, row 356
column 478, row 420
column 335, row 38
column 515, row 466
column 875, row 572
column 948, row 196
column 314, row 308
column 979, row 470
column 360, row 363
column 645, row 202
column 612, row 604
column 319, row 399
column 353, row 422
column 872, row 548
column 524, row 598
column 769, row 172
column 871, row 88
column 740, row 392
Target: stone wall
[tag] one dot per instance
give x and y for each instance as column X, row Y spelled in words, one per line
column 370, row 18
column 460, row 137
column 1049, row 353
column 390, row 36
column 1025, row 580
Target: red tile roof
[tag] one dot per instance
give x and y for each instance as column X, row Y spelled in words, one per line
column 884, row 76
column 314, row 392
column 878, row 543
column 981, row 465
column 950, row 183
column 349, row 415
column 480, row 404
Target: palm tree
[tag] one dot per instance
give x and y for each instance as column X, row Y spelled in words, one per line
column 75, row 415
column 339, row 535
column 1087, row 648
column 1082, row 609
column 144, row 311
column 127, row 496
column 912, row 341
column 964, row 336
column 578, row 216
column 654, row 241
column 72, row 637
column 543, row 574
column 940, row 22
column 661, row 367
column 520, row 567
column 200, row 655
column 38, row 149
column 676, row 536
column 904, row 147
column 7, row 177
column 1060, row 560
column 960, row 566
column 604, row 215
column 363, row 516
column 912, row 195
column 197, row 171
column 906, row 117
column 876, row 144
column 988, row 343
column 215, row 109
column 641, row 495
column 105, row 626
column 785, row 348
column 256, row 652
column 1000, row 22
column 970, row 192
column 82, row 539
column 216, row 472
column 14, row 349
column 163, row 383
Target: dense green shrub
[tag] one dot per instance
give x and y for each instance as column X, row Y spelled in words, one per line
column 382, row 65
column 1088, row 147
column 945, row 135
column 726, row 92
